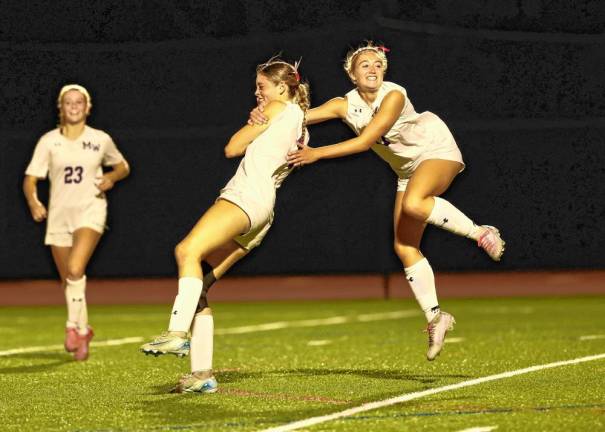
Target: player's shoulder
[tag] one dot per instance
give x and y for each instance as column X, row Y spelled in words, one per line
column 273, row 108
column 51, row 134
column 50, row 137
column 97, row 133
column 389, row 87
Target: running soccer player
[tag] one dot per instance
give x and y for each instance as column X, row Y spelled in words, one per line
column 238, row 220
column 72, row 156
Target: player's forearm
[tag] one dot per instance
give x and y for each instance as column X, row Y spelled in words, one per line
column 344, row 148
column 119, row 172
column 30, row 191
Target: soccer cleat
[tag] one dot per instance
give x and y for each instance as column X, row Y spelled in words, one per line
column 190, row 383
column 71, row 339
column 491, row 242
column 437, row 329
column 167, row 344
column 82, row 350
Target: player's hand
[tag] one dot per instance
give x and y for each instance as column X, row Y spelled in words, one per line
column 38, row 211
column 305, row 155
column 256, row 115
column 104, row 183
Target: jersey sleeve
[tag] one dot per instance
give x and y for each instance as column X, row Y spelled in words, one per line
column 112, row 155
column 38, row 166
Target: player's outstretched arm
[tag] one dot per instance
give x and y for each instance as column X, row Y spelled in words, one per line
column 242, row 138
column 332, row 109
column 385, row 118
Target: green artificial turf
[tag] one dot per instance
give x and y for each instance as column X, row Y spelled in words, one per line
column 271, row 377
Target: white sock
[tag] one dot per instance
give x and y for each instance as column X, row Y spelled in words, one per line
column 75, row 297
column 185, row 304
column 445, row 215
column 202, row 342
column 422, row 280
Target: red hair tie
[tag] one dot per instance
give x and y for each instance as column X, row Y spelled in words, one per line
column 383, row 48
column 297, row 75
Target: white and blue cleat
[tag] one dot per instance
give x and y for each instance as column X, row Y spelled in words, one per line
column 167, row 344
column 190, row 383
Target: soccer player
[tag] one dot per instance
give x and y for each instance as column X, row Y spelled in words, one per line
column 237, row 221
column 72, row 156
column 421, row 150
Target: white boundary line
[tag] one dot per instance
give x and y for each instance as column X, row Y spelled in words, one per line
column 318, row 322
column 416, row 395
column 110, row 342
column 592, row 337
column 239, row 330
column 480, row 429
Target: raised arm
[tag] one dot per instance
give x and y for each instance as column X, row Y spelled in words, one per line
column 36, row 208
column 332, row 109
column 385, row 118
column 242, row 138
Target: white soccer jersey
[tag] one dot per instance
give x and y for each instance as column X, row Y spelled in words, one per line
column 264, row 166
column 412, row 135
column 72, row 167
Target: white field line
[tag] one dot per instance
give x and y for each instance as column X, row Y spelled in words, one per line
column 239, row 330
column 592, row 337
column 417, row 395
column 480, row 429
column 319, row 342
column 454, row 340
column 318, row 322
column 110, row 342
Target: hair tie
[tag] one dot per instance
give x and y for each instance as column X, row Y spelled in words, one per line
column 383, row 48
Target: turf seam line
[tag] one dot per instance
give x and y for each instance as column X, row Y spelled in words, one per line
column 417, row 395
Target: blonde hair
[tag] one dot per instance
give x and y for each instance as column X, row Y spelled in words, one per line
column 351, row 58
column 64, row 90
column 277, row 71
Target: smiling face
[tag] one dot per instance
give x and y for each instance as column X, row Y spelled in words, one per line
column 74, row 107
column 368, row 71
column 267, row 91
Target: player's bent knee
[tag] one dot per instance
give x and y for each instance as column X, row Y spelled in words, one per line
column 75, row 271
column 184, row 254
column 404, row 251
column 413, row 206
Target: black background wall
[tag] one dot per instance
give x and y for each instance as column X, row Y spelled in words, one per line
column 521, row 84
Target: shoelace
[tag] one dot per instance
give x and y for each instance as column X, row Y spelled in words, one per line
column 430, row 329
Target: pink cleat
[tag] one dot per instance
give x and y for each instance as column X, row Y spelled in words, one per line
column 491, row 242
column 437, row 329
column 71, row 339
column 81, row 353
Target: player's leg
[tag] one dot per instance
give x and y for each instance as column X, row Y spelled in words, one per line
column 221, row 223
column 60, row 256
column 85, row 241
column 422, row 202
column 216, row 264
column 419, row 274
column 201, row 378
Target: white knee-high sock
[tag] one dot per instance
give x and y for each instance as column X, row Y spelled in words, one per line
column 75, row 297
column 202, row 342
column 422, row 281
column 185, row 303
column 445, row 215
